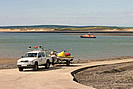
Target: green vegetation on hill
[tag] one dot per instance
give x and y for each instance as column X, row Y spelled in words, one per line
column 82, row 29
column 64, row 28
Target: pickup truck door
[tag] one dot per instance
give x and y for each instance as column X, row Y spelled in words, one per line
column 43, row 58
column 40, row 58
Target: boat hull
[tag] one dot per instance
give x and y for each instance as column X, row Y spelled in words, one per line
column 86, row 37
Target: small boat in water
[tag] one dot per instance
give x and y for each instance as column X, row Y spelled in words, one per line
column 88, row 36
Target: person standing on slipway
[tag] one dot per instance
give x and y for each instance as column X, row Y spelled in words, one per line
column 53, row 55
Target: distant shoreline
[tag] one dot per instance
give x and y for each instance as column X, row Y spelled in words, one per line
column 66, row 31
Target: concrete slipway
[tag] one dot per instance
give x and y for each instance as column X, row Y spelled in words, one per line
column 58, row 77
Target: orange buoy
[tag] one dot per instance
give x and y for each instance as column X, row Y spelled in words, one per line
column 75, row 37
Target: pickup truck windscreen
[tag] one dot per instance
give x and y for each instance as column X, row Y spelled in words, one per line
column 31, row 55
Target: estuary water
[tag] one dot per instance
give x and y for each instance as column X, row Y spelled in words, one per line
column 14, row 45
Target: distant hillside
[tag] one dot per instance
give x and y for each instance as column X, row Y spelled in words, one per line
column 52, row 26
column 62, row 28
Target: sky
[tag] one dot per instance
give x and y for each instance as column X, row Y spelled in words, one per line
column 67, row 12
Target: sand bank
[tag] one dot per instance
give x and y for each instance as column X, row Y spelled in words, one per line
column 4, row 61
column 8, row 63
column 27, row 30
column 52, row 30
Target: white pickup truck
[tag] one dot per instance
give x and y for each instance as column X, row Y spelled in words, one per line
column 34, row 59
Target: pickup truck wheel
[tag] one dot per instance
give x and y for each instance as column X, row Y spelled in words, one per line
column 20, row 69
column 67, row 63
column 47, row 64
column 35, row 66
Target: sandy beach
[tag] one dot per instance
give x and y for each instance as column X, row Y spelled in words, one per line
column 8, row 63
column 54, row 30
column 26, row 30
column 8, row 60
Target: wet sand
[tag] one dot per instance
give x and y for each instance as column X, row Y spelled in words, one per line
column 106, row 59
column 8, row 63
column 8, row 60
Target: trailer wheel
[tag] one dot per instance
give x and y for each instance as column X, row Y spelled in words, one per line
column 20, row 69
column 35, row 66
column 67, row 63
column 47, row 64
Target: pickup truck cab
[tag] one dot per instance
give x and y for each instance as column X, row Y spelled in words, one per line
column 34, row 59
